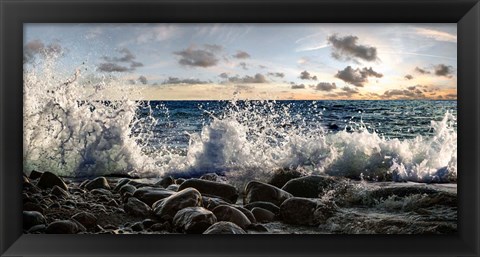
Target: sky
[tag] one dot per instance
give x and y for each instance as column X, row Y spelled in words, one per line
column 253, row 61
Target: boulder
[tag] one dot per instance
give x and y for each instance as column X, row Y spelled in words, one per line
column 101, row 192
column 305, row 211
column 126, row 189
column 150, row 195
column 49, row 180
column 257, row 191
column 35, row 174
column 282, row 176
column 173, row 187
column 309, row 186
column 211, row 202
column 165, row 182
column 120, row 183
column 179, row 181
column 135, row 207
column 224, row 227
column 37, row 229
column 168, row 207
column 194, row 220
column 57, row 191
column 62, row 227
column 137, row 226
column 98, row 183
column 264, row 205
column 29, row 206
column 246, row 212
column 211, row 188
column 229, row 213
column 263, row 215
column 88, row 220
column 32, row 218
column 213, row 177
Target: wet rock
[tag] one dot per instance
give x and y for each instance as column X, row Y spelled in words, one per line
column 282, row 176
column 29, row 206
column 49, row 180
column 262, row 215
column 305, row 211
column 401, row 191
column 32, row 218
column 62, row 227
column 147, row 223
column 179, row 181
column 35, row 175
column 193, row 220
column 127, row 189
column 113, row 203
column 150, row 195
column 168, row 207
column 88, row 220
column 224, row 227
column 165, row 182
column 224, row 191
column 212, row 177
column 173, row 187
column 165, row 226
column 211, row 202
column 98, row 183
column 80, row 227
column 309, row 186
column 246, row 212
column 258, row 228
column 120, row 183
column 101, row 191
column 57, row 191
column 257, row 191
column 264, row 205
column 231, row 214
column 37, row 229
column 135, row 207
column 137, row 226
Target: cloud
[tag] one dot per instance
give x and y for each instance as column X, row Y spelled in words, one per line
column 156, row 33
column 346, row 48
column 241, row 55
column 437, row 35
column 357, row 77
column 203, row 58
column 143, row 80
column 421, row 71
column 123, row 63
column 306, row 76
column 175, row 80
column 325, row 86
column 408, row 77
column 443, row 70
column 37, row 47
column 223, row 75
column 276, row 74
column 257, row 78
column 404, row 93
column 243, row 65
column 296, row 86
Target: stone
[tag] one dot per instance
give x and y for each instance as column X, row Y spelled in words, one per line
column 120, row 183
column 257, row 191
column 305, row 211
column 167, row 208
column 147, row 223
column 165, row 182
column 264, row 205
column 246, row 212
column 98, row 183
column 194, row 220
column 173, row 187
column 231, row 214
column 282, row 176
column 137, row 226
column 263, row 215
column 57, row 191
column 113, row 203
column 258, row 228
column 35, row 175
column 37, row 229
column 224, row 227
column 88, row 220
column 29, row 206
column 165, row 226
column 213, row 177
column 127, row 189
column 32, row 218
column 210, row 188
column 309, row 186
column 49, row 180
column 179, row 181
column 101, row 191
column 150, row 195
column 135, row 207
column 62, row 227
column 211, row 202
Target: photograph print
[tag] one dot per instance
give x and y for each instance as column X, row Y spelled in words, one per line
column 239, row 128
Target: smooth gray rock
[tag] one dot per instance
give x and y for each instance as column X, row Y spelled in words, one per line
column 135, row 207
column 98, row 183
column 88, row 220
column 263, row 215
column 211, row 188
column 224, row 227
column 309, row 186
column 168, row 207
column 229, row 213
column 305, row 211
column 194, row 220
column 150, row 195
column 62, row 227
column 257, row 191
column 32, row 218
column 49, row 180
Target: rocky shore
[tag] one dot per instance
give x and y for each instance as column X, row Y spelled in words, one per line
column 290, row 202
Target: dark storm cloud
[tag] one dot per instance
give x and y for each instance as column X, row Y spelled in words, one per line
column 241, row 55
column 276, row 74
column 37, row 47
column 421, row 71
column 443, row 70
column 295, row 86
column 243, row 65
column 357, row 77
column 347, row 48
column 306, row 76
column 124, row 63
column 408, row 77
column 143, row 80
column 203, row 58
column 174, row 80
column 404, row 94
column 325, row 86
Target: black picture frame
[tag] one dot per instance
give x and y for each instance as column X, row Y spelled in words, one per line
column 466, row 13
